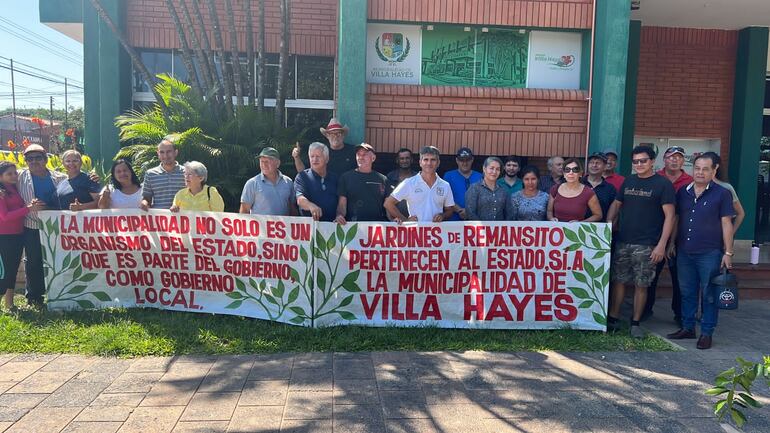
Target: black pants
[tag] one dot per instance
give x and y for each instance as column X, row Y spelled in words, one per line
column 676, row 295
column 34, row 266
column 11, row 247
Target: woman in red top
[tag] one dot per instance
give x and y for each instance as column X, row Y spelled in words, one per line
column 569, row 201
column 12, row 213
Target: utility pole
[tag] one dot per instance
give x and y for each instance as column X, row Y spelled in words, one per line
column 50, row 121
column 66, row 105
column 13, row 97
column 50, row 124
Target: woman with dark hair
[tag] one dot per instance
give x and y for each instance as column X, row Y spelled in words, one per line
column 125, row 191
column 12, row 213
column 528, row 204
column 486, row 200
column 571, row 200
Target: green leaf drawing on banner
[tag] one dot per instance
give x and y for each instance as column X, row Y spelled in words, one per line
column 340, row 234
column 607, row 233
column 586, row 303
column 600, row 255
column 580, row 277
column 320, row 241
column 345, row 302
column 297, row 320
column 347, row 315
column 595, row 242
column 298, row 311
column 240, row 285
column 75, row 262
column 294, row 274
column 66, row 262
column 102, row 296
column 321, row 280
column 573, row 247
column 77, row 289
column 580, row 293
column 302, row 256
column 234, row 295
column 85, row 304
column 349, row 283
column 234, row 304
column 600, row 319
column 570, row 235
column 88, row 277
column 589, row 268
column 293, row 295
column 278, row 290
column 331, row 243
column 271, row 299
column 351, row 234
column 317, row 253
column 77, row 273
column 605, row 279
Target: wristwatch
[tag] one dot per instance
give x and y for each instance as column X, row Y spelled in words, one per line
column 729, row 254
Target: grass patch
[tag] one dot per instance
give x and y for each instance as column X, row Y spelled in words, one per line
column 142, row 332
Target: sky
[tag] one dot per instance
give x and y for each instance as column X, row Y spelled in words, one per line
column 53, row 54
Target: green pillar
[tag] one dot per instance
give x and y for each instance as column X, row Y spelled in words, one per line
column 351, row 64
column 629, row 112
column 107, row 77
column 609, row 82
column 746, row 132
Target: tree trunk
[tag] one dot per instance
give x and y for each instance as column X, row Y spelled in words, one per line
column 249, row 52
column 235, row 57
column 283, row 65
column 261, row 58
column 187, row 56
column 210, row 55
column 227, row 71
column 209, row 81
column 135, row 59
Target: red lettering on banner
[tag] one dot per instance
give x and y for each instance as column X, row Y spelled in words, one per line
column 169, row 243
column 164, row 297
column 240, row 227
column 402, row 237
column 390, row 307
column 499, row 309
column 542, row 308
column 94, row 260
column 520, row 305
column 125, row 260
column 129, row 278
column 472, row 307
column 205, row 263
column 565, row 310
column 165, row 261
column 468, row 260
column 70, row 226
column 577, row 262
column 276, row 229
column 300, row 232
column 381, row 285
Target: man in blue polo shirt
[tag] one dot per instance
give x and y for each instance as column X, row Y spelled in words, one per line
column 316, row 187
column 462, row 179
column 704, row 244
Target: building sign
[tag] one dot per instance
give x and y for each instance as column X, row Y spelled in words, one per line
column 393, row 54
column 506, row 275
column 554, row 60
column 452, row 56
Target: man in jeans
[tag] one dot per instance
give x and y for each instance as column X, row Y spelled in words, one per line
column 704, row 242
column 646, row 206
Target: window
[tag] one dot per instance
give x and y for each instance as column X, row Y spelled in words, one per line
column 157, row 62
column 315, row 77
column 298, row 118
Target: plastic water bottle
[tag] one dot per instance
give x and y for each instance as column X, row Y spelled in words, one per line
column 754, row 253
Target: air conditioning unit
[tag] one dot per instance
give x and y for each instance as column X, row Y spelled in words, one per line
column 635, row 4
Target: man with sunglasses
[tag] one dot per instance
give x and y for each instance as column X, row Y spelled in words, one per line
column 673, row 170
column 316, row 187
column 645, row 204
column 37, row 184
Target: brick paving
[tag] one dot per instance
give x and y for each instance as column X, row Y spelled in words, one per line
column 386, row 391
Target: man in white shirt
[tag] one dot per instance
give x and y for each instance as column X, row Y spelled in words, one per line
column 428, row 197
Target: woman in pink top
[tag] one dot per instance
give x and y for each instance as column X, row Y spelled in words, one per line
column 12, row 213
column 571, row 200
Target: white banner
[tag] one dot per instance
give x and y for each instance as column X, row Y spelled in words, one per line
column 554, row 60
column 393, row 54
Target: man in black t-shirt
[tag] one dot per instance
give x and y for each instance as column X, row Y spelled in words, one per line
column 646, row 206
column 362, row 191
column 342, row 156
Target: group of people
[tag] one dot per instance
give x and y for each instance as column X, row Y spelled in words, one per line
column 658, row 216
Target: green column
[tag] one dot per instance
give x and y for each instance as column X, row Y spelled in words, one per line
column 351, row 64
column 107, row 77
column 629, row 112
column 609, row 82
column 746, row 131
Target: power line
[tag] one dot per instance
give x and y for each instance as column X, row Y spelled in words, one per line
column 43, row 38
column 21, row 71
column 16, row 62
column 33, row 42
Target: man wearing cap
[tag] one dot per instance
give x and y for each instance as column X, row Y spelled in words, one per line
column 555, row 174
column 704, row 240
column 270, row 192
column 342, row 156
column 605, row 192
column 510, row 182
column 403, row 171
column 428, row 197
column 462, row 179
column 673, row 170
column 161, row 183
column 316, row 187
column 36, row 185
column 610, row 176
column 362, row 191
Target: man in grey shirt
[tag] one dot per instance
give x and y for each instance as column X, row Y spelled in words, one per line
column 270, row 192
column 163, row 182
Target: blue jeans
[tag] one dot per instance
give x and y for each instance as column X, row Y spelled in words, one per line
column 695, row 273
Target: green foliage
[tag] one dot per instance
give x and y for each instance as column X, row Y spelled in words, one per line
column 729, row 383
column 226, row 143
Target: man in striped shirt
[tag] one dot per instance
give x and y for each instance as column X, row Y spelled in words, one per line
column 163, row 182
column 36, row 184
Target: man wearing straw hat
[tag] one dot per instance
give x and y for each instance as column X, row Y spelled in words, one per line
column 342, row 157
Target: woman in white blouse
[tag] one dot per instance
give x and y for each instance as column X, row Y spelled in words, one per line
column 125, row 192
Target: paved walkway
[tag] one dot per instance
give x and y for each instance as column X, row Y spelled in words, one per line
column 385, row 392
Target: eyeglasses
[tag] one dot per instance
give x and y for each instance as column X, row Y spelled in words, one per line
column 35, row 158
column 640, row 161
column 571, row 169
